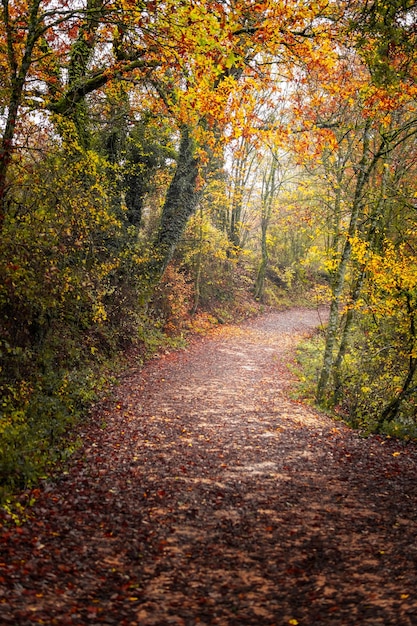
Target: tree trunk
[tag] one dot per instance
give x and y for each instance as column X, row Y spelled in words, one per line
column 270, row 187
column 17, row 77
column 260, row 278
column 364, row 170
column 181, row 202
column 344, row 342
column 391, row 410
column 198, row 266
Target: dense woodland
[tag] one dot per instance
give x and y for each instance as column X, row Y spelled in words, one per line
column 168, row 165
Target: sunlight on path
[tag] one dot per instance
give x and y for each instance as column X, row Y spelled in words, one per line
column 203, row 495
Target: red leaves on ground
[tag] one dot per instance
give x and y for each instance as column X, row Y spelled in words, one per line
column 203, row 495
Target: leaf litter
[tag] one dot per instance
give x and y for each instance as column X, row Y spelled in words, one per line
column 204, row 495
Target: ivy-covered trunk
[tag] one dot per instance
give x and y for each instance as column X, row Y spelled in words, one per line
column 17, row 74
column 180, row 203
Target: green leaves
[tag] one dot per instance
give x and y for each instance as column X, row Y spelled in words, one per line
column 230, row 60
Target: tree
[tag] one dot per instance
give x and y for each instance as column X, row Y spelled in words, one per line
column 196, row 61
column 79, row 162
column 275, row 175
column 241, row 183
column 384, row 35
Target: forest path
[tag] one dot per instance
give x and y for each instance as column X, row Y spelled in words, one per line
column 204, row 495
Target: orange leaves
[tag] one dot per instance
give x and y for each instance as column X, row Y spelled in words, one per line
column 194, row 55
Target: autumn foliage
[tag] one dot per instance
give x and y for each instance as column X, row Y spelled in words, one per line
column 158, row 161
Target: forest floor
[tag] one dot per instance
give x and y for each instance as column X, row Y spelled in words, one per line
column 203, row 494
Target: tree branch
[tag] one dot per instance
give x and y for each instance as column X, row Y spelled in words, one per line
column 97, row 80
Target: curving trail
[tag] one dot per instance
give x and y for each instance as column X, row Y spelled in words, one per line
column 204, row 495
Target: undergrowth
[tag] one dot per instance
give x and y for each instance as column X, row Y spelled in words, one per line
column 367, row 385
column 47, row 387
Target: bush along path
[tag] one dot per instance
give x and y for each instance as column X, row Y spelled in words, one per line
column 203, row 495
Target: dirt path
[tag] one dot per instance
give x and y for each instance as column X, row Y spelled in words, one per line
column 203, row 495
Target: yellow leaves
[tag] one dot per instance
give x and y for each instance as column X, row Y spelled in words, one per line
column 360, row 249
column 392, row 274
column 230, row 60
column 99, row 314
column 199, row 43
column 331, row 264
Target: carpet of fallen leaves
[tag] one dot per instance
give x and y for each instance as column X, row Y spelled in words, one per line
column 203, row 495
